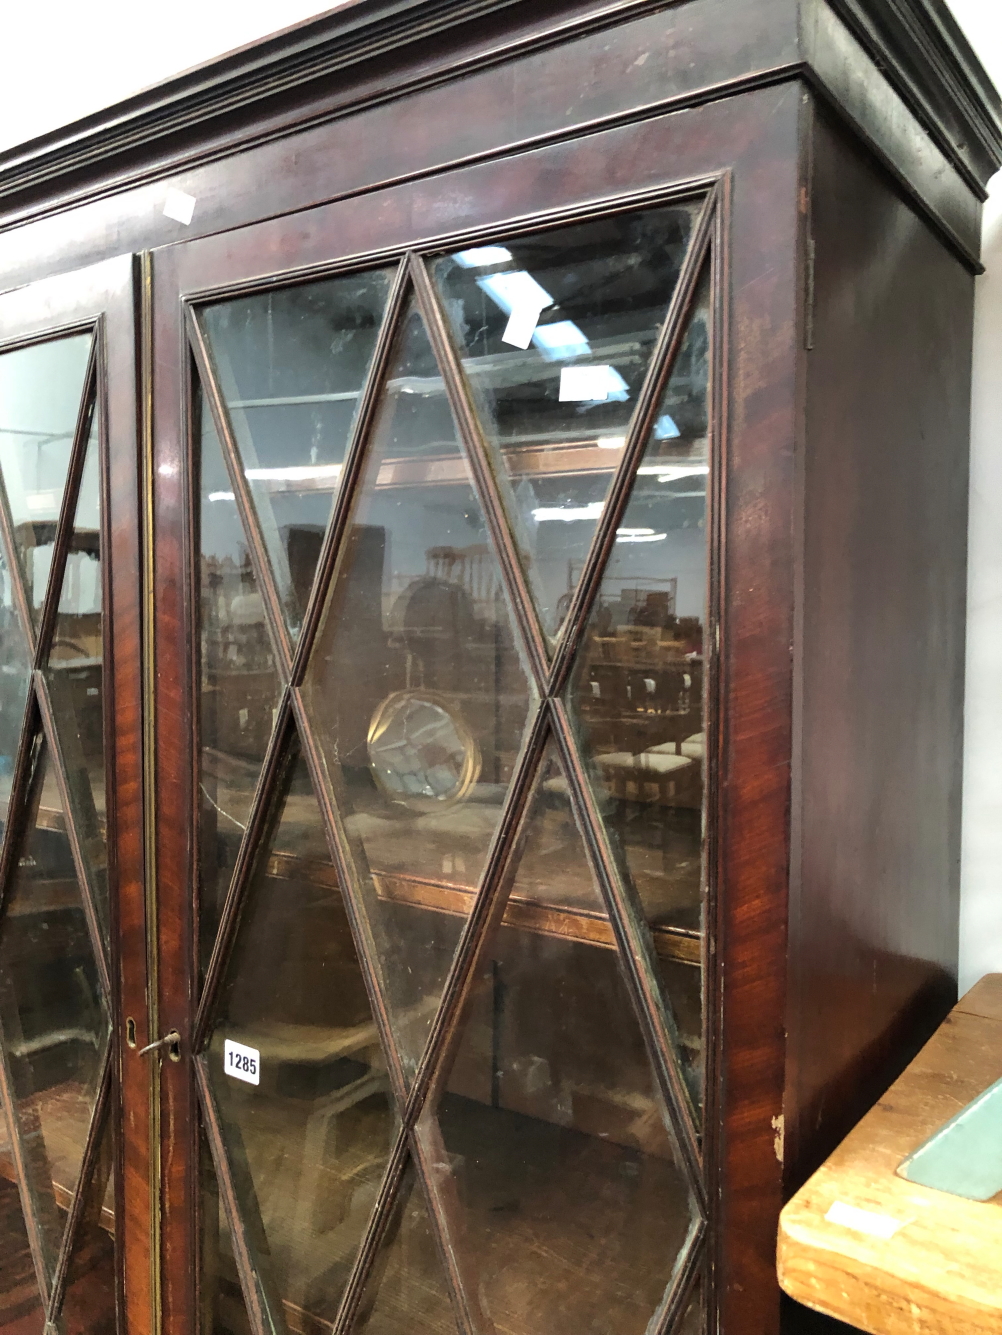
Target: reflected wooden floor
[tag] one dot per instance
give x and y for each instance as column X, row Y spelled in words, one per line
column 20, row 1309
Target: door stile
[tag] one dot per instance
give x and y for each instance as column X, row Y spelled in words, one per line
column 171, row 741
column 713, row 1095
column 127, row 592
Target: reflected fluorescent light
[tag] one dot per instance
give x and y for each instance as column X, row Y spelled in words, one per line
column 221, row 496
column 611, row 442
column 296, row 473
column 673, row 472
column 632, row 536
column 481, row 256
column 40, row 500
column 519, row 289
column 560, row 340
column 591, row 384
column 568, row 512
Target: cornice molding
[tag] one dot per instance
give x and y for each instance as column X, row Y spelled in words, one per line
column 916, row 44
column 925, row 56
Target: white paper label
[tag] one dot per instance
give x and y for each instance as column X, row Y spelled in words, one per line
column 863, row 1221
column 242, row 1063
column 179, row 206
column 584, row 384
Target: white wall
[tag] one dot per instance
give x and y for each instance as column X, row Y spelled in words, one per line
column 981, row 859
column 73, row 59
column 65, row 59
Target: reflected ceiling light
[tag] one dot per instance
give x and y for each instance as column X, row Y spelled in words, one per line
column 221, row 496
column 560, row 340
column 481, row 256
column 296, row 473
column 40, row 500
column 672, row 472
column 632, row 536
column 519, row 289
column 568, row 512
column 611, row 442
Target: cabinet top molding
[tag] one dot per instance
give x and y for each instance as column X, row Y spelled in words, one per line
column 374, row 50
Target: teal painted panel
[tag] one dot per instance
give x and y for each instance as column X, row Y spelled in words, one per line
column 964, row 1157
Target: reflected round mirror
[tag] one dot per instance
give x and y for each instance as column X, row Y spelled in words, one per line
column 420, row 750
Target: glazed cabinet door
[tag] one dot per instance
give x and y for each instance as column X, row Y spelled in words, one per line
column 72, row 939
column 437, row 549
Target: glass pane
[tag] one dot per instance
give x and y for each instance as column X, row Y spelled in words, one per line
column 239, row 685
column 222, row 1302
column 569, row 1200
column 21, row 1311
column 556, row 332
column 74, row 674
column 40, row 392
column 15, row 676
column 306, row 1112
column 90, row 1299
column 291, row 367
column 637, row 691
column 406, row 1293
column 54, row 1023
column 415, row 688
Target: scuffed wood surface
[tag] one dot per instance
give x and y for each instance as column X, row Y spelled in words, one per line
column 941, row 1272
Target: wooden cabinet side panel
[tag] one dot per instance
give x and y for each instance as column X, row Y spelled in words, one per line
column 874, row 900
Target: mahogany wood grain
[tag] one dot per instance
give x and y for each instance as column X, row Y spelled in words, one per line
column 875, row 876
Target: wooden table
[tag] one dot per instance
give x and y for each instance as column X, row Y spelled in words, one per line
column 940, row 1270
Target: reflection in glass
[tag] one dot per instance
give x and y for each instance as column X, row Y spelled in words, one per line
column 239, row 686
column 416, row 607
column 556, row 332
column 420, row 750
column 21, row 1311
column 564, row 1170
column 222, row 1303
column 15, row 676
column 53, row 1021
column 90, row 1299
column 637, row 691
column 291, row 366
column 40, row 392
column 406, row 1293
column 309, row 1143
column 74, row 675
column 692, row 1322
